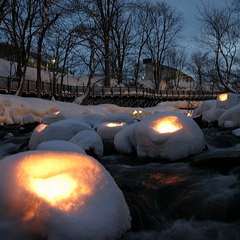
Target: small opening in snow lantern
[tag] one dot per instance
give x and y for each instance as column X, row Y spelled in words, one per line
column 223, row 97
column 115, row 124
column 167, row 124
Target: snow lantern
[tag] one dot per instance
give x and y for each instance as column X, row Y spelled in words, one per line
column 112, row 123
column 108, row 130
column 59, row 195
column 169, row 135
column 167, row 124
column 227, row 100
column 139, row 114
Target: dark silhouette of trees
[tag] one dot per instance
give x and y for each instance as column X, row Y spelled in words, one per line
column 221, row 35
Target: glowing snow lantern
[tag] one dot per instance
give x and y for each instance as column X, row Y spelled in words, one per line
column 139, row 114
column 223, row 97
column 59, row 195
column 108, row 130
column 167, row 124
column 169, row 135
column 115, row 124
column 227, row 100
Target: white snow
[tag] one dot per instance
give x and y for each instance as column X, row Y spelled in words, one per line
column 112, row 123
column 61, row 130
column 60, row 145
column 86, row 203
column 232, row 114
column 149, row 140
column 89, row 141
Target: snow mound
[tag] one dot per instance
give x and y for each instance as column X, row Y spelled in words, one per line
column 169, row 135
column 59, row 145
column 86, row 204
column 112, row 124
column 89, row 141
column 227, row 100
column 61, row 130
column 209, row 112
column 230, row 115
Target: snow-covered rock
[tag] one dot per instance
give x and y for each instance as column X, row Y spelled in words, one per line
column 168, row 135
column 61, row 130
column 60, row 145
column 112, row 123
column 86, row 203
column 209, row 112
column 227, row 100
column 89, row 141
column 233, row 115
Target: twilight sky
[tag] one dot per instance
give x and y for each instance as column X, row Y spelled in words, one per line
column 190, row 13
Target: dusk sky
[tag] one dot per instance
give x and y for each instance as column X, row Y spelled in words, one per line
column 190, row 13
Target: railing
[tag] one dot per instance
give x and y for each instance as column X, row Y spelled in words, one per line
column 11, row 86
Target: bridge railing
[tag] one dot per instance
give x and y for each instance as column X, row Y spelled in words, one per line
column 10, row 86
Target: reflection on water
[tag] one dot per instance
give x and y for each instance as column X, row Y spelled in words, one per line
column 171, row 201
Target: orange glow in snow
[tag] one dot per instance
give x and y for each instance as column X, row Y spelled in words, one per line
column 62, row 180
column 115, row 124
column 223, row 97
column 167, row 124
column 54, row 188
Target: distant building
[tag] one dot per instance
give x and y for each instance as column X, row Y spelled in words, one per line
column 167, row 73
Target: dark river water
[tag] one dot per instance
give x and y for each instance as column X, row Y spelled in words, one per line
column 197, row 198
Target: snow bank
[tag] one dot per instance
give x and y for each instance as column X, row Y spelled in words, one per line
column 20, row 110
column 86, row 204
column 168, row 135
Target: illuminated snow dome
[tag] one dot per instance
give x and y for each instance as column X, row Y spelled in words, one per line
column 169, row 135
column 58, row 195
column 227, row 100
column 113, row 123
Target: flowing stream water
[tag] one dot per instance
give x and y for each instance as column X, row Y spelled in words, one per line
column 196, row 198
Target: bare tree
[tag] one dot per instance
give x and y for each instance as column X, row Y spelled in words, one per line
column 176, row 58
column 142, row 32
column 199, row 66
column 163, row 26
column 20, row 26
column 221, row 35
column 121, row 38
column 3, row 9
column 103, row 14
column 48, row 15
